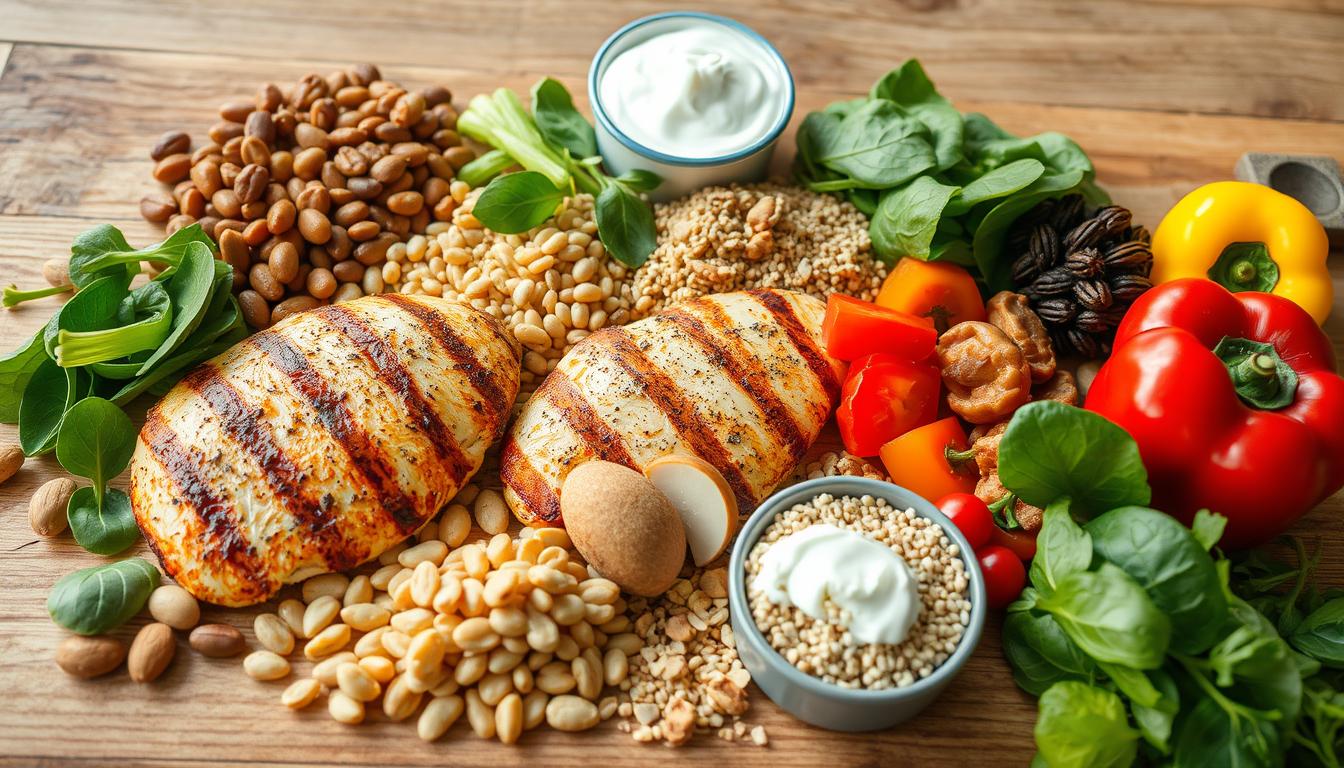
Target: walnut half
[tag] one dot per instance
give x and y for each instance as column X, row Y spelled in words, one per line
column 987, row 376
column 1010, row 313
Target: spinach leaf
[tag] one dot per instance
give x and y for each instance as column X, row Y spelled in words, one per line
column 911, row 89
column 559, row 122
column 103, row 527
column 517, row 202
column 1041, row 654
column 907, row 218
column 1207, row 528
column 877, row 145
column 89, row 246
column 50, row 391
column 625, row 224
column 143, row 321
column 1253, row 665
column 94, row 600
column 16, row 369
column 640, row 180
column 97, row 252
column 1083, row 725
column 1110, row 617
column 1000, row 182
column 96, row 441
column 1212, row 736
column 1063, row 154
column 816, row 130
column 1051, row 450
column 993, row 228
column 1321, row 634
column 190, row 290
column 1155, row 722
column 1133, row 683
column 1172, row 567
column 1061, row 548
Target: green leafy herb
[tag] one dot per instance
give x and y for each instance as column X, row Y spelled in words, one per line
column 51, row 390
column 150, row 319
column 517, row 202
column 640, row 180
column 1210, row 735
column 1207, row 528
column 95, row 600
column 876, row 145
column 96, row 441
column 1155, row 721
column 626, row 225
column 1062, row 548
column 190, row 289
column 559, row 122
column 1051, row 450
column 1000, row 182
column 103, row 527
column 1083, row 725
column 1041, row 654
column 992, row 230
column 16, row 369
column 1110, row 617
column 909, row 88
column 1321, row 634
column 907, row 218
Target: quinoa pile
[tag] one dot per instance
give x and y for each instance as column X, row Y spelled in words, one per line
column 825, row 649
column 770, row 235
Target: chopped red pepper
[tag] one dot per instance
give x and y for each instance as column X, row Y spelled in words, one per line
column 884, row 397
column 854, row 328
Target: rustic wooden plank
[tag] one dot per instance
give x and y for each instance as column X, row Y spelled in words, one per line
column 1258, row 57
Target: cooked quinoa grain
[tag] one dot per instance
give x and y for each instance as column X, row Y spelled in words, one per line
column 825, row 649
column 722, row 239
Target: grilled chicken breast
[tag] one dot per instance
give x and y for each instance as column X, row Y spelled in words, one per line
column 738, row 379
column 320, row 443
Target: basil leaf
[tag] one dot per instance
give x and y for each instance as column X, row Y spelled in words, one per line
column 96, row 440
column 16, row 369
column 911, row 89
column 1132, row 682
column 993, row 228
column 640, row 180
column 1041, row 654
column 1083, row 725
column 625, row 224
column 1254, row 665
column 1051, row 450
column 1321, row 634
column 1207, row 528
column 90, row 245
column 1155, row 721
column 1166, row 559
column 1062, row 547
column 190, row 289
column 1210, row 735
column 1063, row 155
column 1110, row 617
column 94, row 600
column 907, row 218
column 559, row 122
column 103, row 530
column 1000, row 182
column 50, row 391
column 517, row 202
column 876, row 144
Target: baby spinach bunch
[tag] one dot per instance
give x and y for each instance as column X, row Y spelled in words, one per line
column 936, row 184
column 108, row 344
column 1131, row 632
column 557, row 147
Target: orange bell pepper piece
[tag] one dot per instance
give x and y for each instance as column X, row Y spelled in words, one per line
column 939, row 290
column 918, row 460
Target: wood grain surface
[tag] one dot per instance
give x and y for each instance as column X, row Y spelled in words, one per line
column 1164, row 95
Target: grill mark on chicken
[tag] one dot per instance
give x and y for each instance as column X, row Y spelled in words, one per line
column 482, row 378
column 801, row 339
column 365, row 456
column 245, row 426
column 518, row 474
column 583, row 419
column 667, row 396
column 728, row 353
column 186, row 468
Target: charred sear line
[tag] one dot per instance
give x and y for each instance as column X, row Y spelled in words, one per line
column 744, row 369
column 224, row 542
column 518, row 474
column 245, row 427
column 605, row 442
column 801, row 339
column 664, row 393
column 482, row 377
column 365, row 456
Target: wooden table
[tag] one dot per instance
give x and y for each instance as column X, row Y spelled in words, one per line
column 1164, row 95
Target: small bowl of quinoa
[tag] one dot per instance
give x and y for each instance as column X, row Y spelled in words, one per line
column 854, row 602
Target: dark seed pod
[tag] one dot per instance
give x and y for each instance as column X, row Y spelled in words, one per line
column 1067, row 213
column 1052, row 282
column 1079, row 341
column 1092, row 294
column 1025, row 268
column 1088, row 233
column 1141, row 234
column 1090, row 321
column 1114, row 219
column 1128, row 256
column 1126, row 288
column 1056, row 311
column 1045, row 245
column 1084, row 262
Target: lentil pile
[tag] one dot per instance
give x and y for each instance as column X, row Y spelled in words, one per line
column 770, row 235
column 825, row 649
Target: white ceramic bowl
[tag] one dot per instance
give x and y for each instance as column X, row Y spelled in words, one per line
column 682, row 175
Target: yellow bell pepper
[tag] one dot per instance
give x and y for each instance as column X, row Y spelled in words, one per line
column 1246, row 237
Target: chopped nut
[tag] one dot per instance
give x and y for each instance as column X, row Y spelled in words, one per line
column 763, row 214
column 646, row 714
column 758, row 736
column 714, row 583
column 679, row 628
column 678, row 722
column 727, row 697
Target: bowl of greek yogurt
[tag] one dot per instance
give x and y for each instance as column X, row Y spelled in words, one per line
column 696, row 98
column 854, row 602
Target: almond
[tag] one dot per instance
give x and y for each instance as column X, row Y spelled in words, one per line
column 151, row 652
column 218, row 641
column 46, row 511
column 11, row 458
column 86, row 657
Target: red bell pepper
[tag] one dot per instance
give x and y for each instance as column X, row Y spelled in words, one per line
column 1234, row 402
column 854, row 328
column 884, row 397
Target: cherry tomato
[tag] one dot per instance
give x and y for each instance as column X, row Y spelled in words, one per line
column 1005, row 576
column 1020, row 542
column 971, row 516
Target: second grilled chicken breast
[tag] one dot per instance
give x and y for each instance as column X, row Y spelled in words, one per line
column 320, row 443
column 739, row 379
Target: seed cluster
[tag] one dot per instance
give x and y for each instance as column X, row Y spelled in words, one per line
column 552, row 285
column 722, row 239
column 510, row 632
column 825, row 649
column 835, row 464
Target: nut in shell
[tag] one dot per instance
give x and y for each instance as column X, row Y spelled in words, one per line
column 151, row 652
